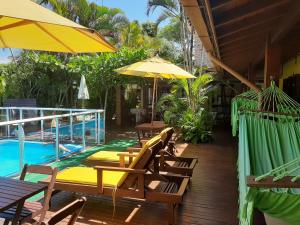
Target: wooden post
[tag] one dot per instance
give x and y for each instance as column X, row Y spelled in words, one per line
column 234, row 73
column 250, row 73
column 153, row 98
column 119, row 103
column 273, row 67
column 144, row 98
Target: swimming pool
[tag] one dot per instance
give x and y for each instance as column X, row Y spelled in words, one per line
column 90, row 127
column 34, row 153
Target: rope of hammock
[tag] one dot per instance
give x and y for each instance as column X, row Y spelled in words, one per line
column 281, row 171
column 270, row 100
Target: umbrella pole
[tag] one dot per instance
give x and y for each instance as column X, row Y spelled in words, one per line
column 153, row 98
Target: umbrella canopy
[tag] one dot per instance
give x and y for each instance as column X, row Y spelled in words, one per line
column 27, row 25
column 155, row 67
column 83, row 92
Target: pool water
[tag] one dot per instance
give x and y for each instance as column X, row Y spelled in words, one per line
column 34, row 153
column 77, row 129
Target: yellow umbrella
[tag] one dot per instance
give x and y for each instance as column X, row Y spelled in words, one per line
column 27, row 25
column 155, row 67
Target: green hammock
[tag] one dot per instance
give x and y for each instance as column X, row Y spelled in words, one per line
column 268, row 139
column 246, row 100
column 272, row 100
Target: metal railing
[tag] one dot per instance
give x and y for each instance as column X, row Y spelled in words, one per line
column 52, row 125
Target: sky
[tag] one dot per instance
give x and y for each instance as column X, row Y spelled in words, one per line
column 133, row 9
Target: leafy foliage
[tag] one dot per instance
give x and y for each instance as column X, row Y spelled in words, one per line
column 186, row 107
column 53, row 79
column 196, row 127
column 107, row 21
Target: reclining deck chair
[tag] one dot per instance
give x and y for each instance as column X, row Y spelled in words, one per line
column 131, row 182
column 112, row 158
column 168, row 162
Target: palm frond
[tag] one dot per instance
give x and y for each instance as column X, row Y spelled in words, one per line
column 201, row 81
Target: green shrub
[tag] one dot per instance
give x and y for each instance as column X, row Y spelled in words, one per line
column 196, row 128
column 186, row 108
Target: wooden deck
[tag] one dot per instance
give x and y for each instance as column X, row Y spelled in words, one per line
column 211, row 199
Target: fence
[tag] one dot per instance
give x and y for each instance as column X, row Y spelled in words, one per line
column 42, row 135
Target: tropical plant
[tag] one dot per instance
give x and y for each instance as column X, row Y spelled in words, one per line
column 196, row 127
column 173, row 11
column 150, row 29
column 186, row 107
column 53, row 78
column 2, row 86
column 107, row 21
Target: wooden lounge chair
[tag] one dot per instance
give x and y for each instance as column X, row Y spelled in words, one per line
column 168, row 161
column 176, row 164
column 113, row 158
column 131, row 182
column 33, row 210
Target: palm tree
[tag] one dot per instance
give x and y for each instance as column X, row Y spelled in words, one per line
column 107, row 21
column 184, row 95
column 172, row 10
column 191, row 112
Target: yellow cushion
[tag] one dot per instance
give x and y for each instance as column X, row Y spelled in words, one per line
column 88, row 175
column 163, row 133
column 110, row 156
column 147, row 145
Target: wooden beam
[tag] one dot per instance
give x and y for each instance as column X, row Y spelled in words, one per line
column 192, row 10
column 289, row 21
column 283, row 27
column 272, row 63
column 241, row 44
column 220, row 4
column 253, row 20
column 250, row 74
column 212, row 25
column 242, row 38
column 248, row 11
column 248, row 27
column 268, row 182
column 232, row 53
column 234, row 73
column 119, row 105
column 228, row 5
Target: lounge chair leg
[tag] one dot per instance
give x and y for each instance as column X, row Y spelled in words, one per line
column 171, row 214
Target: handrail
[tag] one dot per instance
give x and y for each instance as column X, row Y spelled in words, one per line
column 49, row 109
column 14, row 122
column 96, row 115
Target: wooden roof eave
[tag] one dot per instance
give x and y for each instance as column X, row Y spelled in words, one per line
column 193, row 12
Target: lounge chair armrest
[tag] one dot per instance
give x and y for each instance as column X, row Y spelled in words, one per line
column 127, row 154
column 100, row 169
column 143, row 141
column 133, row 149
column 123, row 155
column 128, row 170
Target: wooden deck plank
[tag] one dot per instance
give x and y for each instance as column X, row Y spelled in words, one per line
column 211, row 199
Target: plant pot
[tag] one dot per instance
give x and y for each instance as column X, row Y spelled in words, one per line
column 274, row 221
